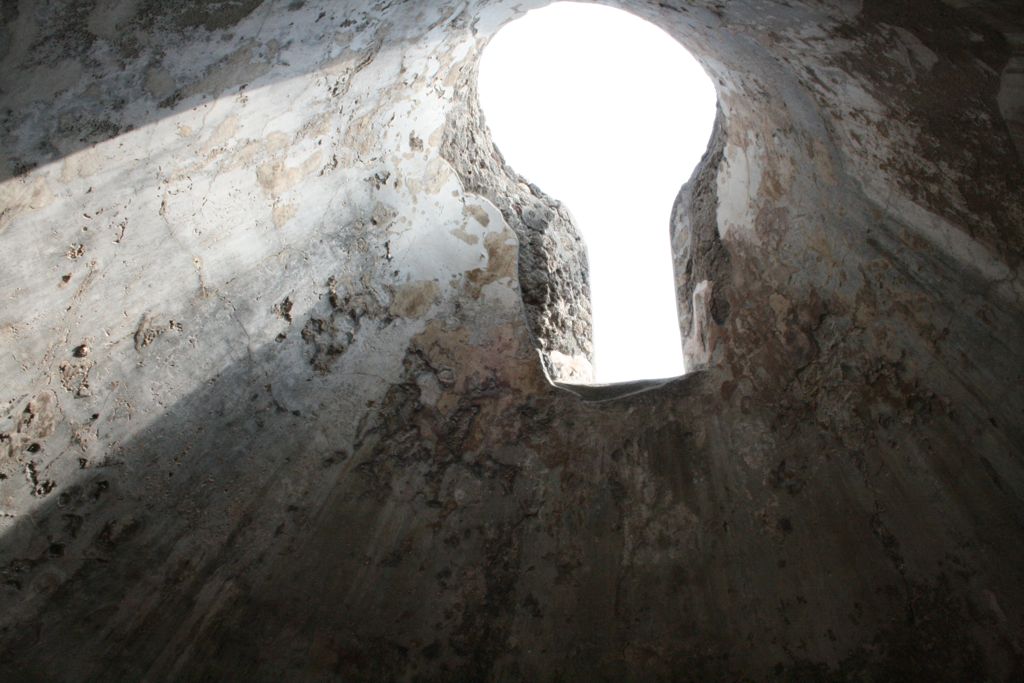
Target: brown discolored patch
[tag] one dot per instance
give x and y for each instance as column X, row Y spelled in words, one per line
column 465, row 236
column 479, row 214
column 282, row 213
column 463, row 357
column 502, row 252
column 414, row 299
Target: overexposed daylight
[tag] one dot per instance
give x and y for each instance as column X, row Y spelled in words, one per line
column 608, row 114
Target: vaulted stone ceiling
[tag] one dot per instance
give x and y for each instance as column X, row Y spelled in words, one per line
column 283, row 354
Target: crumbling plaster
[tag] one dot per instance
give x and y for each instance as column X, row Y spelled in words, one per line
column 273, row 406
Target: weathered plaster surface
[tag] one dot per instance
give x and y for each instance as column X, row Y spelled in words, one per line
column 275, row 400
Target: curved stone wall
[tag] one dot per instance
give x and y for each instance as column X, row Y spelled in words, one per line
column 273, row 409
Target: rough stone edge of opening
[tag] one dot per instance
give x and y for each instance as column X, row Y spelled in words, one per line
column 552, row 266
column 699, row 258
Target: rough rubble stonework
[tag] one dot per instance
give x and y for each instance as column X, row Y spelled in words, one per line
column 552, row 264
column 274, row 403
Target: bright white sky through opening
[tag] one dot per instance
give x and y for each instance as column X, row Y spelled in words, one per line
column 608, row 114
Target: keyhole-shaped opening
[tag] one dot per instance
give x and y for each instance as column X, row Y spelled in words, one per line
column 607, row 113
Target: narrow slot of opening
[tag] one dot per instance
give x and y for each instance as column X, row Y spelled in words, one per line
column 610, row 115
